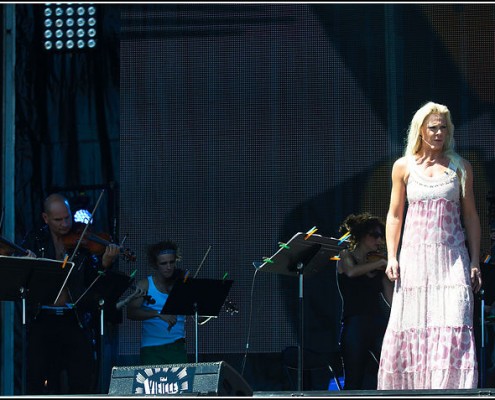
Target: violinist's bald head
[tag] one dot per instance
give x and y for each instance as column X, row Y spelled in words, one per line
column 55, row 199
column 57, row 214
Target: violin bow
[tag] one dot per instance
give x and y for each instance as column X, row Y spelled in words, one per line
column 202, row 261
column 87, row 226
column 231, row 309
column 77, row 248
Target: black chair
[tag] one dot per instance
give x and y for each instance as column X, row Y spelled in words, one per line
column 313, row 363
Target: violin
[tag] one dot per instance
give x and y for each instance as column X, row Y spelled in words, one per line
column 94, row 243
column 8, row 248
column 148, row 298
column 373, row 256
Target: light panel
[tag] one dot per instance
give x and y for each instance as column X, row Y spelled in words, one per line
column 69, row 26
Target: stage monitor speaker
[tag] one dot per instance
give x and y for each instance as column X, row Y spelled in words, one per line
column 199, row 379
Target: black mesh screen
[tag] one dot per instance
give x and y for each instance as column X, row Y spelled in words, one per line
column 244, row 124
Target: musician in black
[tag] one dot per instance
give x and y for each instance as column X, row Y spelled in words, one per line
column 59, row 335
column 364, row 290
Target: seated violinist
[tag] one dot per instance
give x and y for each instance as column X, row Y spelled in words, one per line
column 163, row 336
column 363, row 288
column 59, row 335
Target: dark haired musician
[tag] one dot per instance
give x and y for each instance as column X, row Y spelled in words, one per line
column 362, row 285
column 163, row 336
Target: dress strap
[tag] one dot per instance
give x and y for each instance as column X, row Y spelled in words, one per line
column 411, row 164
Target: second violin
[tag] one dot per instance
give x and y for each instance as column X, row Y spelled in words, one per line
column 8, row 248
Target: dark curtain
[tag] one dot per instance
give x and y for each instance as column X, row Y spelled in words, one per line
column 67, row 117
column 67, row 127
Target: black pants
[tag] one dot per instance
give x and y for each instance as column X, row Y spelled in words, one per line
column 55, row 344
column 361, row 335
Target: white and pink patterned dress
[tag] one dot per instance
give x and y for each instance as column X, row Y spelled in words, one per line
column 429, row 342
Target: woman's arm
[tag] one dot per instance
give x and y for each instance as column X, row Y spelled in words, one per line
column 134, row 310
column 395, row 216
column 347, row 265
column 138, row 292
column 387, row 290
column 472, row 226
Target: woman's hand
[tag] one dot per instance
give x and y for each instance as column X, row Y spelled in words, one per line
column 392, row 270
column 171, row 320
column 476, row 281
column 381, row 264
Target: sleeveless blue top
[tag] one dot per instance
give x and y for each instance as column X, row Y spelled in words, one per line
column 154, row 330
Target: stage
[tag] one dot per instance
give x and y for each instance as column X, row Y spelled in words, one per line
column 309, row 394
column 383, row 393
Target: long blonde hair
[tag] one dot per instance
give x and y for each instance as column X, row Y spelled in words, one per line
column 413, row 144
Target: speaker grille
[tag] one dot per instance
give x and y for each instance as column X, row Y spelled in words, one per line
column 217, row 378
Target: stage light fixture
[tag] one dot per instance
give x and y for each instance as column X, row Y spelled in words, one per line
column 83, row 216
column 69, row 26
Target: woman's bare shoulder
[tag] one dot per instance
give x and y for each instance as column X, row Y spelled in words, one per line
column 400, row 170
column 401, row 163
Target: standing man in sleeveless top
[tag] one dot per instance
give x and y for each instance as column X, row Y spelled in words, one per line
column 162, row 336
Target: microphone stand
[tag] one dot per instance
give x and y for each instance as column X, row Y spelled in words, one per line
column 22, row 290
column 482, row 350
column 101, row 304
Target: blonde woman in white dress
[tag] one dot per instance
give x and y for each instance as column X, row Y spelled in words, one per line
column 429, row 341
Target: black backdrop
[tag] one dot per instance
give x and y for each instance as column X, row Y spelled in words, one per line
column 242, row 125
column 239, row 125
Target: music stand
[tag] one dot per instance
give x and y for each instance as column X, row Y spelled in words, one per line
column 108, row 287
column 303, row 254
column 198, row 297
column 105, row 289
column 37, row 280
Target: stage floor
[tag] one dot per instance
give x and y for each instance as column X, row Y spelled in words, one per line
column 383, row 393
column 448, row 394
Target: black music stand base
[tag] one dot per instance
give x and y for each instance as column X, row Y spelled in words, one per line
column 301, row 329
